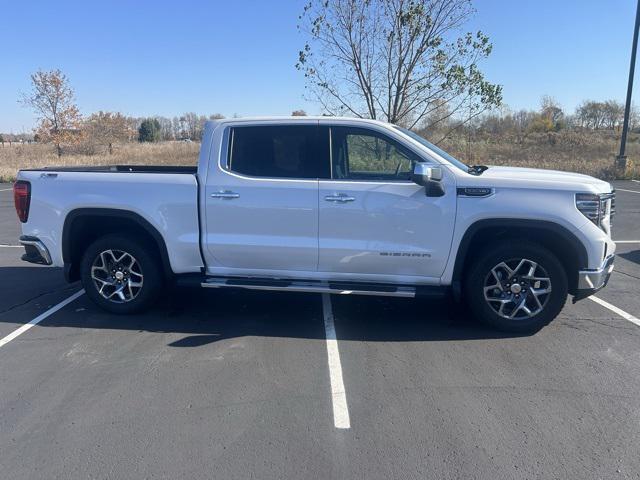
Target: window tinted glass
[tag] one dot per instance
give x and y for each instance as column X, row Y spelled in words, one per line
column 431, row 146
column 361, row 154
column 280, row 151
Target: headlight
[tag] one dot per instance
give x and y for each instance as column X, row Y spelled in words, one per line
column 599, row 208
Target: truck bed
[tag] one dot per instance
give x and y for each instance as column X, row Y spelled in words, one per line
column 168, row 202
column 188, row 169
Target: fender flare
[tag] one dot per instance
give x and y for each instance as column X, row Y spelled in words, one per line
column 552, row 227
column 70, row 270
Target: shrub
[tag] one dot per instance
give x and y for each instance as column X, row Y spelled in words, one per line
column 149, row 130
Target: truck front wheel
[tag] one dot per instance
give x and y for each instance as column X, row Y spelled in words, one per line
column 120, row 275
column 516, row 286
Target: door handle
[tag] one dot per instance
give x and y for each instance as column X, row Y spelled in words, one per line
column 339, row 198
column 226, row 194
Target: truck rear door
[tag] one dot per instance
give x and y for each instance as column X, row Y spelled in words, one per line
column 262, row 199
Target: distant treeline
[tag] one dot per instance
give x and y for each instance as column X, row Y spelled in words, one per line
column 110, row 127
column 550, row 117
column 106, row 128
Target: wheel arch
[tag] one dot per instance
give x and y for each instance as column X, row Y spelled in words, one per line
column 82, row 226
column 556, row 238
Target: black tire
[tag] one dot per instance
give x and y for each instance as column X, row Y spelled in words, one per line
column 480, row 275
column 147, row 264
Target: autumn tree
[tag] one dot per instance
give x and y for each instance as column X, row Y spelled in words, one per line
column 53, row 100
column 395, row 60
column 107, row 128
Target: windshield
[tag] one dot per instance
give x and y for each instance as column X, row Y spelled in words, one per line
column 431, row 146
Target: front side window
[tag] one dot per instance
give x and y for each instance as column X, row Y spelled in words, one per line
column 279, row 151
column 362, row 154
column 454, row 161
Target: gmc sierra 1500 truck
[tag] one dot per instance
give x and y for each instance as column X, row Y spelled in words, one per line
column 335, row 205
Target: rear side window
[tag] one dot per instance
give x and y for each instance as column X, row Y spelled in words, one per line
column 282, row 151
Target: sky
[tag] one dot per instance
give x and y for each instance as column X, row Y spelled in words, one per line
column 145, row 58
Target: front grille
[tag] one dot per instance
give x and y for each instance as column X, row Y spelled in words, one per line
column 613, row 203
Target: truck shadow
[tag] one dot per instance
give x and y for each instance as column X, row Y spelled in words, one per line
column 632, row 256
column 208, row 316
column 22, row 285
column 217, row 315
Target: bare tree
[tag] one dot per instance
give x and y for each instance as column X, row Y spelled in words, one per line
column 395, row 60
column 53, row 100
column 634, row 117
column 298, row 113
column 166, row 128
column 178, row 128
column 613, row 114
column 193, row 125
column 591, row 114
column 550, row 109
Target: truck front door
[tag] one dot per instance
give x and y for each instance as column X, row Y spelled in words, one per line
column 375, row 223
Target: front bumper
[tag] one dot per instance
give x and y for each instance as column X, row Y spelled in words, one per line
column 35, row 251
column 590, row 281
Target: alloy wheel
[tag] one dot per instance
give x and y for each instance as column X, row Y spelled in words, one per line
column 117, row 276
column 517, row 289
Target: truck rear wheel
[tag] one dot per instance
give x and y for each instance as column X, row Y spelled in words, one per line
column 516, row 286
column 120, row 275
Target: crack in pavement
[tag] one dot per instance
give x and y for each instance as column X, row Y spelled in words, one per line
column 625, row 273
column 29, row 300
column 595, row 321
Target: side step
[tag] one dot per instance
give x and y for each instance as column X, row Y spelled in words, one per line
column 336, row 288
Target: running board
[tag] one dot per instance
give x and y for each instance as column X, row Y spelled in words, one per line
column 337, row 288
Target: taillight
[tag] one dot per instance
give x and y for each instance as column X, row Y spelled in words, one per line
column 22, row 199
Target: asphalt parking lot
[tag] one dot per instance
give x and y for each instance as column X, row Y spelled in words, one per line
column 225, row 384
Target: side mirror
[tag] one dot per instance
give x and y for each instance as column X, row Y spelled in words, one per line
column 429, row 177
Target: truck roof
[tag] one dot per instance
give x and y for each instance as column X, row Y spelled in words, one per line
column 305, row 119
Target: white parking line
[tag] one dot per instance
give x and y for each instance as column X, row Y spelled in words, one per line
column 626, row 241
column 6, row 189
column 39, row 318
column 637, row 181
column 10, row 246
column 338, row 394
column 623, row 190
column 614, row 309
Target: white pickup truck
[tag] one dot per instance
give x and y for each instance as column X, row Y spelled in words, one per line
column 336, row 205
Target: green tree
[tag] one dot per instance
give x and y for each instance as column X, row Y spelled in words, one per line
column 395, row 60
column 149, row 130
column 2, row 139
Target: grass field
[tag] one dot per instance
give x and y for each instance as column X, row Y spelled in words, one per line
column 589, row 152
column 584, row 152
column 15, row 157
